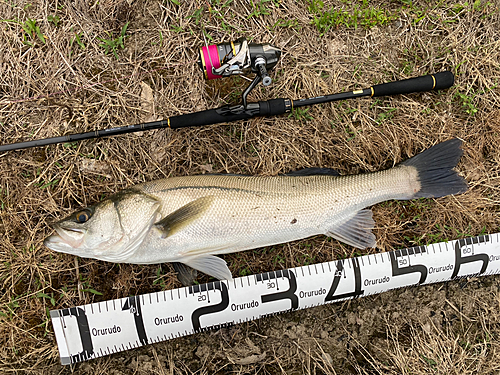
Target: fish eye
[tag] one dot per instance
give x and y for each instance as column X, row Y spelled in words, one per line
column 83, row 216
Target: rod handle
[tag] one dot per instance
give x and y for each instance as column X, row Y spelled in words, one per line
column 224, row 114
column 438, row 81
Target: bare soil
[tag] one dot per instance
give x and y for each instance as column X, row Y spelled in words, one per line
column 58, row 79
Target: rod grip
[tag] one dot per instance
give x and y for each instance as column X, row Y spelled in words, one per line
column 271, row 107
column 438, row 81
column 208, row 117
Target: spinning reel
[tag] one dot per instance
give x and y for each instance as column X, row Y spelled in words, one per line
column 238, row 58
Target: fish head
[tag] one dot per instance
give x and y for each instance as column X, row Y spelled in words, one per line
column 110, row 230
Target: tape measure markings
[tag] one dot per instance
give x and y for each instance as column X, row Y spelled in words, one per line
column 92, row 330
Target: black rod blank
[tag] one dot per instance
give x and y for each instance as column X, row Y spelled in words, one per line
column 273, row 107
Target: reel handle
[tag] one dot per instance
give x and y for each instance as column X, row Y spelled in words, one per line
column 260, row 63
column 438, row 81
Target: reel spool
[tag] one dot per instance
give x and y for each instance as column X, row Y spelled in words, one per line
column 238, row 58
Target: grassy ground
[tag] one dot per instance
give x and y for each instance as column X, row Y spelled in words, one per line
column 80, row 66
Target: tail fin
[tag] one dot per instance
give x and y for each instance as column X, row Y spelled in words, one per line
column 435, row 170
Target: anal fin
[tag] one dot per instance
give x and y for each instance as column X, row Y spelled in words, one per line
column 356, row 231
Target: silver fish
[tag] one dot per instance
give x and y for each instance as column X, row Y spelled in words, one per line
column 191, row 219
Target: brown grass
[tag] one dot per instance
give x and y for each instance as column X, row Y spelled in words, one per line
column 53, row 88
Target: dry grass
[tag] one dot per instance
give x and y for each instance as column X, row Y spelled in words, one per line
column 55, row 87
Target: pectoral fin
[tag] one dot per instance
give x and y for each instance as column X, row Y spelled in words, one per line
column 356, row 231
column 211, row 265
column 183, row 216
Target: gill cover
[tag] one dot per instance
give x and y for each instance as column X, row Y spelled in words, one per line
column 111, row 230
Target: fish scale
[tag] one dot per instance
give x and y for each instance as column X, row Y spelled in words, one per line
column 263, row 198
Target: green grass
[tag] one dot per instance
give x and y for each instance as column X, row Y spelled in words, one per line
column 44, row 185
column 221, row 3
column 9, row 309
column 352, row 133
column 245, row 272
column 286, row 23
column 55, row 19
column 361, row 15
column 442, row 233
column 160, row 41
column 301, row 114
column 113, row 44
column 31, row 30
column 220, row 9
column 159, row 280
column 78, row 39
column 50, row 297
column 197, row 14
column 261, row 8
column 467, row 102
column 3, row 192
column 387, row 115
column 278, row 261
column 421, row 42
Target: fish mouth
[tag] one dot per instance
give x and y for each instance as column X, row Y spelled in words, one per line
column 65, row 240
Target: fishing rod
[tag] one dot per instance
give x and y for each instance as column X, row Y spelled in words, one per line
column 238, row 58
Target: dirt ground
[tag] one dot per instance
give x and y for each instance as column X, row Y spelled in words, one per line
column 77, row 66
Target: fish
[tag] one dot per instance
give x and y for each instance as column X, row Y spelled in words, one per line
column 189, row 220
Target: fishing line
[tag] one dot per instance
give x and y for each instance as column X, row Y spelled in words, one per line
column 102, row 328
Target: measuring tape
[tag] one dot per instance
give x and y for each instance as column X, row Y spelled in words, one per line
column 102, row 328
